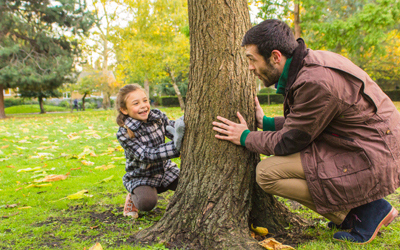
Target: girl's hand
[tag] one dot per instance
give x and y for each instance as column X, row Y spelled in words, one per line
column 232, row 130
column 178, row 132
column 259, row 114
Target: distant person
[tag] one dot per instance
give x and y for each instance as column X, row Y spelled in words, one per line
column 141, row 133
column 337, row 147
column 76, row 105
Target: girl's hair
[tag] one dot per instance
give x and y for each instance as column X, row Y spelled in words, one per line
column 120, row 102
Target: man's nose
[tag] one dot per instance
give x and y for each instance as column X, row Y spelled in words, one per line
column 251, row 66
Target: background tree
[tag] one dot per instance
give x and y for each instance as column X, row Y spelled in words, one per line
column 217, row 196
column 154, row 44
column 360, row 30
column 35, row 55
column 86, row 86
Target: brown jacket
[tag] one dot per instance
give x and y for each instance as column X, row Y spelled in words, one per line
column 346, row 128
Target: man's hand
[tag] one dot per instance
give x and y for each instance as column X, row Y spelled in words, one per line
column 232, row 130
column 259, row 114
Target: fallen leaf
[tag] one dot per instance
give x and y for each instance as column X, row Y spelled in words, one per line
column 75, row 168
column 78, row 195
column 5, row 146
column 96, row 246
column 25, row 207
column 104, row 167
column 39, row 185
column 272, row 244
column 28, row 169
column 7, row 216
column 106, row 179
column 260, row 230
column 94, row 227
column 11, row 206
column 11, row 166
column 87, row 163
column 52, row 177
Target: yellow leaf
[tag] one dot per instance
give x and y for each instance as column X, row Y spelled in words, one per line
column 87, row 163
column 260, row 230
column 39, row 185
column 104, row 167
column 106, row 179
column 272, row 244
column 25, row 207
column 96, row 246
column 28, row 169
column 52, row 177
column 78, row 195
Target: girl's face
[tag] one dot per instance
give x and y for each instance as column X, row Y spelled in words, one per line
column 137, row 105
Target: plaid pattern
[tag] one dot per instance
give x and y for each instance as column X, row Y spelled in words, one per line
column 147, row 155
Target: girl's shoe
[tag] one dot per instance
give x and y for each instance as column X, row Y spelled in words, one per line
column 129, row 208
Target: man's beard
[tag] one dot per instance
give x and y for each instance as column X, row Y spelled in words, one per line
column 270, row 76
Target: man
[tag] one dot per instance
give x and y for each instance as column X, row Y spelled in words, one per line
column 336, row 150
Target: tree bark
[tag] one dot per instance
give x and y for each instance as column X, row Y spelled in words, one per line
column 83, row 101
column 42, row 111
column 178, row 93
column 297, row 28
column 146, row 86
column 2, row 111
column 217, row 196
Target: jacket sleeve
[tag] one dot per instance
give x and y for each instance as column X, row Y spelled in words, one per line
column 134, row 149
column 313, row 109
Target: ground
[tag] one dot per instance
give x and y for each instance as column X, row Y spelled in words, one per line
column 83, row 147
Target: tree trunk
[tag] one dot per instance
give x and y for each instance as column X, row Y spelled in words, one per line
column 83, row 101
column 297, row 29
column 42, row 111
column 212, row 206
column 178, row 93
column 147, row 87
column 2, row 112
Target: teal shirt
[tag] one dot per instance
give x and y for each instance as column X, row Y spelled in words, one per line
column 269, row 122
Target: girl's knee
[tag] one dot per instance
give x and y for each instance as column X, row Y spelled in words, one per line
column 146, row 203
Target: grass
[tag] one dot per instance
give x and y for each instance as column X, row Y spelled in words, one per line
column 63, row 144
column 32, row 109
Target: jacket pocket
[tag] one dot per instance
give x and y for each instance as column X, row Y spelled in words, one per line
column 347, row 177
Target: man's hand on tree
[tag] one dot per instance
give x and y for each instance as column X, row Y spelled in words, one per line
column 259, row 114
column 232, row 130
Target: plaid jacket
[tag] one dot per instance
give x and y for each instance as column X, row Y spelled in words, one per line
column 147, row 155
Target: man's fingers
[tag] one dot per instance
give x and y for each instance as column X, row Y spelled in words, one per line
column 241, row 119
column 224, row 120
column 226, row 138
column 257, row 102
column 221, row 125
column 222, row 131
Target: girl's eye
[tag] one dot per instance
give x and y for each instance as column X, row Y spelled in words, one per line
column 144, row 100
column 135, row 103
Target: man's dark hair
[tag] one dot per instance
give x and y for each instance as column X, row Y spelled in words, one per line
column 269, row 35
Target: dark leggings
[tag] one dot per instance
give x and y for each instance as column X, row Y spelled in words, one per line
column 145, row 197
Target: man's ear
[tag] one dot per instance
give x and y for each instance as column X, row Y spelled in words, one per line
column 276, row 56
column 124, row 111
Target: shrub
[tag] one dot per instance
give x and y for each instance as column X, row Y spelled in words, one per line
column 64, row 104
column 170, row 101
column 273, row 98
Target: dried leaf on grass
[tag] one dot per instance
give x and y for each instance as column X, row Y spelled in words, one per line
column 39, row 185
column 104, row 167
column 28, row 169
column 272, row 244
column 87, row 163
column 106, row 179
column 96, row 246
column 52, row 177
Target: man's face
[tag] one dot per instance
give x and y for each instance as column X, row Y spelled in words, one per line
column 264, row 70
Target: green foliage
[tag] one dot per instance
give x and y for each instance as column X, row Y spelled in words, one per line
column 169, row 101
column 267, row 91
column 35, row 53
column 9, row 102
column 359, row 30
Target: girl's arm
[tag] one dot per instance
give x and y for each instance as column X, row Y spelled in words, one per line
column 134, row 149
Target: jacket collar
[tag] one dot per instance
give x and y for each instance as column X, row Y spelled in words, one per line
column 280, row 89
column 298, row 56
column 134, row 124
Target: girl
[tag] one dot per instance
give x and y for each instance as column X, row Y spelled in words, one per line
column 149, row 170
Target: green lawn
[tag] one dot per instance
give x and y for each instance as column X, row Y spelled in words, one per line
column 32, row 109
column 82, row 146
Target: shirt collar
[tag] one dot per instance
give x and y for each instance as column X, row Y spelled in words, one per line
column 134, row 124
column 283, row 78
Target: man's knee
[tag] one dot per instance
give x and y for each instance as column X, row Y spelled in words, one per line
column 263, row 176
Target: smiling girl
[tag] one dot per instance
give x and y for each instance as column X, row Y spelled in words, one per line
column 142, row 131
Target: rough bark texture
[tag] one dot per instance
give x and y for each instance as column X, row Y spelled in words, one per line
column 2, row 112
column 211, row 208
column 42, row 111
column 297, row 28
column 83, row 101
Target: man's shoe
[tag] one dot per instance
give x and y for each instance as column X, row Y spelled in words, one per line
column 346, row 224
column 369, row 219
column 129, row 208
